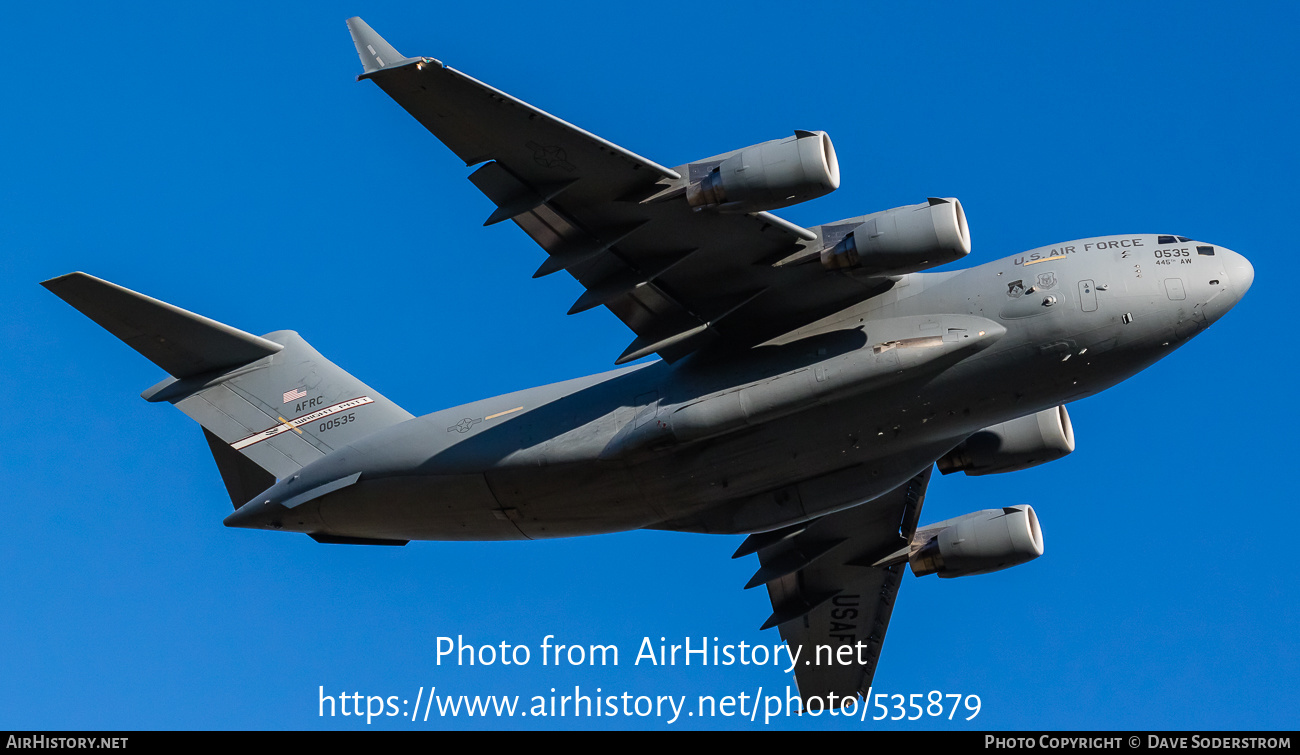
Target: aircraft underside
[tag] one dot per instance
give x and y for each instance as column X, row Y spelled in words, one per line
column 809, row 379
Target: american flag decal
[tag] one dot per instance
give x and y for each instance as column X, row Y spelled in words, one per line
column 294, row 395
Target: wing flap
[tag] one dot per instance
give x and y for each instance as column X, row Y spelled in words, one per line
column 511, row 195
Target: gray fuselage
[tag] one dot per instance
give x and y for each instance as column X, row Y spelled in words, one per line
column 826, row 417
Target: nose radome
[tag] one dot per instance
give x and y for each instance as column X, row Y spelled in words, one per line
column 1240, row 272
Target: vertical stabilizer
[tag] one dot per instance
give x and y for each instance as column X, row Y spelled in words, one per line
column 269, row 405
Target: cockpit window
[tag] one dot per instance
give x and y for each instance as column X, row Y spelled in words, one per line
column 1172, row 240
column 1182, row 239
column 1208, row 251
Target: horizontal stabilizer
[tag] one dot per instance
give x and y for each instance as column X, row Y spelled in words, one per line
column 182, row 343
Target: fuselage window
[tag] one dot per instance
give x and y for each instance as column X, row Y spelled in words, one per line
column 1208, row 251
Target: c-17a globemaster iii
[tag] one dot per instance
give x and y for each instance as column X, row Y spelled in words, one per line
column 809, row 379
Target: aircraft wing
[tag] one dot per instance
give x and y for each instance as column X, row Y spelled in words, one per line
column 616, row 221
column 825, row 591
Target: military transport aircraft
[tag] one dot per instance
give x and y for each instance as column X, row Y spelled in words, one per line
column 809, row 379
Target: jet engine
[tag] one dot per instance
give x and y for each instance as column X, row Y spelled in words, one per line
column 1011, row 446
column 904, row 240
column 979, row 543
column 770, row 175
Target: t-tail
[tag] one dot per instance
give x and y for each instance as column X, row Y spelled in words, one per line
column 268, row 405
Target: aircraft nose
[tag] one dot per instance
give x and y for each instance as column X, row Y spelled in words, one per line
column 1240, row 272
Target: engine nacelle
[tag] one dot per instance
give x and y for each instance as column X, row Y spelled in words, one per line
column 979, row 543
column 1011, row 446
column 904, row 240
column 770, row 175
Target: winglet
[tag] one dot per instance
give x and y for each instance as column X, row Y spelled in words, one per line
column 376, row 54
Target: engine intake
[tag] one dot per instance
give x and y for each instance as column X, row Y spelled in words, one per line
column 904, row 240
column 770, row 175
column 979, row 543
column 1011, row 446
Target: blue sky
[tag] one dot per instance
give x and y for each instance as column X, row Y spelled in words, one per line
column 224, row 159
